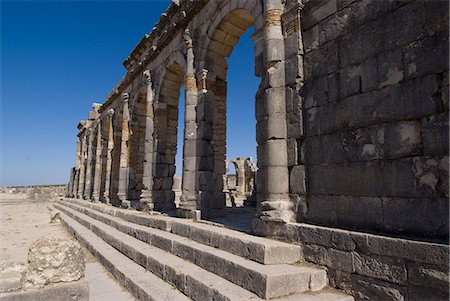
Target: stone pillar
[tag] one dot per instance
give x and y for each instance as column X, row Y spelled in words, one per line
column 146, row 197
column 275, row 204
column 75, row 183
column 70, row 184
column 98, row 164
column 189, row 195
column 81, row 183
column 124, row 170
column 77, row 169
column 89, row 164
column 110, row 146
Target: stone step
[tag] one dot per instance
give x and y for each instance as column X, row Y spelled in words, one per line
column 259, row 249
column 188, row 278
column 327, row 294
column 214, row 283
column 266, row 281
column 141, row 283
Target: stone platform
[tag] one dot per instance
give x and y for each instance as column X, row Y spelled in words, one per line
column 150, row 255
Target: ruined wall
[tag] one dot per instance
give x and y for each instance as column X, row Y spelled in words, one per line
column 375, row 110
column 37, row 192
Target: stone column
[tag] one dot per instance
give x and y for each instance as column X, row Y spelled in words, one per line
column 188, row 202
column 110, row 146
column 124, row 170
column 69, row 187
column 146, row 198
column 98, row 164
column 275, row 204
column 81, row 183
column 77, row 169
column 89, row 164
column 75, row 183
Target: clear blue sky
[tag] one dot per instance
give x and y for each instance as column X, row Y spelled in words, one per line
column 59, row 57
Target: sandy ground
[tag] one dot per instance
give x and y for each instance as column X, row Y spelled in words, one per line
column 23, row 221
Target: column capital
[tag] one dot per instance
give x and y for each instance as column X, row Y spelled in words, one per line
column 110, row 112
column 125, row 97
column 202, row 76
column 147, row 77
column 187, row 38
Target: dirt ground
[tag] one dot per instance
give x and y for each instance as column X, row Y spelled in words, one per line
column 22, row 222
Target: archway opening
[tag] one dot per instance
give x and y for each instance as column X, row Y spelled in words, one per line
column 230, row 184
column 177, row 178
column 231, row 60
column 136, row 145
column 166, row 138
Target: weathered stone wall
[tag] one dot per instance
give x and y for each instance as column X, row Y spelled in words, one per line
column 374, row 267
column 375, row 111
column 37, row 192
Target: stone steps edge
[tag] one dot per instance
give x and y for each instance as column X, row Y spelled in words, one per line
column 124, row 276
column 248, row 246
column 315, row 279
column 131, row 251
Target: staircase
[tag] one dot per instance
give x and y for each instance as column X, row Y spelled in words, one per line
column 157, row 257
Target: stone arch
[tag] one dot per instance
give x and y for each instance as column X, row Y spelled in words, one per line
column 166, row 110
column 176, row 58
column 236, row 168
column 233, row 18
column 230, row 12
column 231, row 22
column 225, row 37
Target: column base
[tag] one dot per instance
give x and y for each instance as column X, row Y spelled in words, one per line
column 125, row 204
column 196, row 215
column 277, row 209
column 268, row 228
column 146, row 201
column 146, row 205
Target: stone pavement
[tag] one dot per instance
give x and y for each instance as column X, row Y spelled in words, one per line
column 102, row 287
column 239, row 218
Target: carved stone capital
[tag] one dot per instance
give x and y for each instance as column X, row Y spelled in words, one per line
column 203, row 75
column 96, row 107
column 187, row 38
column 125, row 97
column 147, row 77
column 110, row 112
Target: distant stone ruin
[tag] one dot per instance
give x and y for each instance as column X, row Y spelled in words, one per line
column 36, row 192
column 239, row 188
